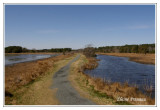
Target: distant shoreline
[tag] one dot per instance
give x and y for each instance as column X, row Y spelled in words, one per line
column 6, row 65
column 136, row 57
column 33, row 53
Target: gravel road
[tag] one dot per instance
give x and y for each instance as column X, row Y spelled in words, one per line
column 66, row 94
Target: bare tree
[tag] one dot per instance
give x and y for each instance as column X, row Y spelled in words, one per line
column 89, row 51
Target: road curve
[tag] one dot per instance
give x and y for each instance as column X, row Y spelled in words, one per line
column 66, row 94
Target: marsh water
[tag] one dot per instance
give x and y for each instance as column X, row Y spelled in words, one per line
column 120, row 69
column 18, row 58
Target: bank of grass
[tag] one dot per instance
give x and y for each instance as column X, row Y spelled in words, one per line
column 37, row 91
column 136, row 57
column 103, row 93
column 81, row 84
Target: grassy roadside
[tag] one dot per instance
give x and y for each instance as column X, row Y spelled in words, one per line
column 38, row 92
column 140, row 58
column 80, row 83
column 104, row 93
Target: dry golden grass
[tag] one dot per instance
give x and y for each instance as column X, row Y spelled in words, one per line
column 140, row 58
column 92, row 63
column 19, row 81
column 105, row 93
column 80, row 82
column 120, row 90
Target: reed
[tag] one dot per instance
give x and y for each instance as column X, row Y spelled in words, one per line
column 148, row 87
column 24, row 73
column 114, row 89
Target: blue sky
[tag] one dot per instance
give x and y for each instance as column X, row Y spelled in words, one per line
column 60, row 26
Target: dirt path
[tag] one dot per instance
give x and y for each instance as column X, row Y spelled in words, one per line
column 66, row 94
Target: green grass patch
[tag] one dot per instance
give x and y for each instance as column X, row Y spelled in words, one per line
column 98, row 94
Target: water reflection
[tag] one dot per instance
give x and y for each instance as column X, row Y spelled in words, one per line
column 120, row 69
column 18, row 58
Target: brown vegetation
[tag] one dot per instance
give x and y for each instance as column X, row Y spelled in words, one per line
column 92, row 63
column 89, row 51
column 107, row 90
column 116, row 90
column 24, row 73
column 79, row 82
column 140, row 58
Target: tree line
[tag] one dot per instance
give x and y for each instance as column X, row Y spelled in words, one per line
column 142, row 48
column 19, row 49
column 89, row 50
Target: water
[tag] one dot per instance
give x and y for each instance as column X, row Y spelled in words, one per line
column 120, row 69
column 18, row 58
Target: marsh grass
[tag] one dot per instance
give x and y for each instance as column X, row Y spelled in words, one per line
column 103, row 89
column 20, row 77
column 81, row 83
column 115, row 89
column 137, row 57
column 148, row 87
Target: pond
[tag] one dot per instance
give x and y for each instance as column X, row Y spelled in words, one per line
column 18, row 58
column 120, row 69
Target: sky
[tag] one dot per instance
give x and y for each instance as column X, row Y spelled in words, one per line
column 74, row 26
